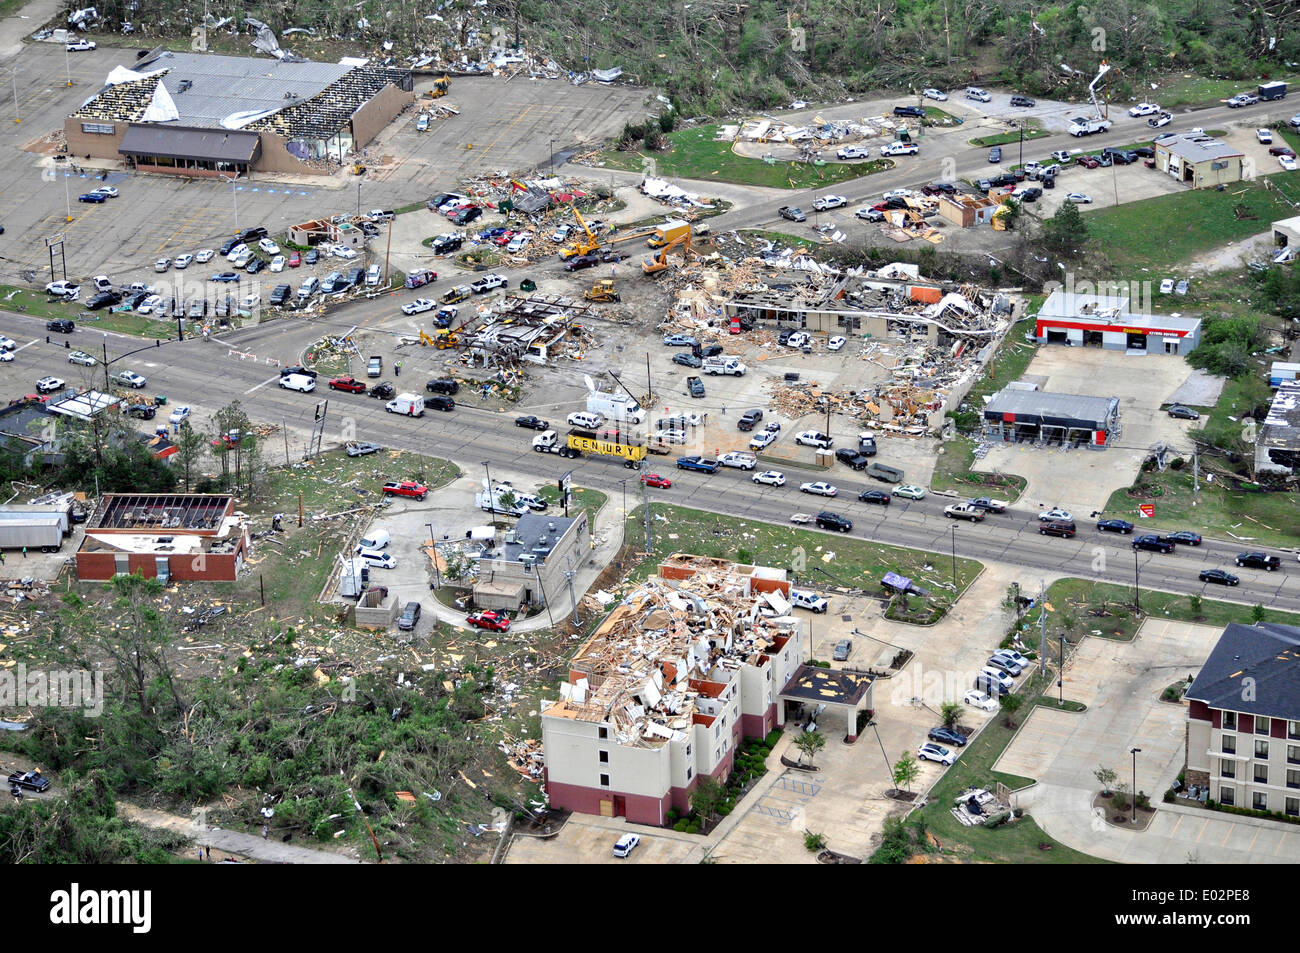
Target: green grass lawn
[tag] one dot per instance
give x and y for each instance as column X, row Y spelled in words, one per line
column 781, row 238
column 1007, row 138
column 1200, row 90
column 693, row 154
column 1163, row 231
column 582, row 499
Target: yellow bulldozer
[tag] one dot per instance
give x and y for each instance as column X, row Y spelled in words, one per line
column 602, row 290
column 440, row 87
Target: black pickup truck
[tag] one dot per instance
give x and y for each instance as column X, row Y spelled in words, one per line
column 31, row 780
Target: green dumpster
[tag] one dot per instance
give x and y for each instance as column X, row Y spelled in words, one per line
column 528, row 285
column 160, row 400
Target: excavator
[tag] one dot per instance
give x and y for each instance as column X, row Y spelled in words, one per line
column 581, row 247
column 652, row 266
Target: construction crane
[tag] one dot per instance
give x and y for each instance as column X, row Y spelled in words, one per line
column 580, row 247
column 652, row 266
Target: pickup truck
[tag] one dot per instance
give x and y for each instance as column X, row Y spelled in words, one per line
column 375, row 367
column 964, row 511
column 31, row 780
column 792, row 214
column 406, row 488
column 738, row 459
column 703, row 464
column 988, row 505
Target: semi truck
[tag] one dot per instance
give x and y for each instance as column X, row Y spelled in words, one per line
column 722, row 364
column 44, row 531
column 577, row 442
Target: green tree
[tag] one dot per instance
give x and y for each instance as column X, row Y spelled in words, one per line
column 1257, row 613
column 1010, row 705
column 708, row 796
column 814, row 842
column 1014, row 211
column 1065, row 234
column 905, row 772
column 951, row 713
column 1105, row 777
column 191, row 444
column 809, row 743
column 1197, row 604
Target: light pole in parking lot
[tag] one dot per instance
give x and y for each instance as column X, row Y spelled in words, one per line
column 1134, row 753
column 552, row 157
column 17, row 117
column 235, row 195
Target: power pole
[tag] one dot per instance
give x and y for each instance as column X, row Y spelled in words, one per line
column 105, row 364
column 645, row 491
column 1196, row 475
column 1137, row 583
column 568, row 575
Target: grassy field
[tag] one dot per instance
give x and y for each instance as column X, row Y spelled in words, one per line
column 1007, row 138
column 781, row 238
column 853, row 561
column 693, row 154
column 37, row 303
column 1168, row 229
column 589, row 501
column 1199, row 90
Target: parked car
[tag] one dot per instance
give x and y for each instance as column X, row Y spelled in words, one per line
column 495, row 621
column 947, row 736
column 410, row 617
column 1079, row 198
column 936, row 753
column 1115, row 526
column 93, row 198
column 980, row 700
column 1264, row 136
column 825, row 203
column 852, row 458
column 179, row 415
column 686, row 359
column 1183, row 412
column 792, row 214
column 936, row 94
column 837, row 342
column 626, row 844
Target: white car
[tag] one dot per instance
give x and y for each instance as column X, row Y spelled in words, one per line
column 1167, row 286
column 897, row 194
column 837, row 342
column 1011, row 655
column 1264, row 136
column 82, row 358
column 1144, row 109
column 981, row 700
column 936, row 94
column 419, row 306
column 1056, row 513
column 179, row 415
column 1079, row 198
column 162, row 264
column 820, row 488
column 48, row 385
column 897, row 148
column 6, row 357
column 373, row 274
column 762, row 439
column 825, row 203
column 244, row 258
column 149, row 304
column 377, row 558
column 1061, row 155
column 626, row 844
column 562, row 233
column 770, row 477
column 813, row 438
column 249, row 302
column 869, row 214
column 344, row 251
column 799, row 339
column 277, row 263
column 7, row 343
column 909, row 491
column 519, row 242
column 1163, row 119
column 183, row 261
column 237, row 251
column 669, row 436
column 77, row 46
column 63, row 289
column 937, row 753
column 204, row 255
column 1287, row 162
column 268, row 246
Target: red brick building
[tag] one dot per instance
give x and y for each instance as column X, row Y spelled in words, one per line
column 171, row 536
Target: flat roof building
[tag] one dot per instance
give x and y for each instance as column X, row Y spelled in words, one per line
column 170, row 536
column 528, row 567
column 1198, row 160
column 1106, row 321
column 1018, row 415
column 1277, row 447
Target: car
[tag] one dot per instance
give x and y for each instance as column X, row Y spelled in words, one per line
column 1287, row 162
column 254, row 266
column 93, row 198
column 297, row 369
column 226, row 276
column 561, row 234
column 1263, row 136
column 1294, row 121
column 980, row 700
column 909, row 491
column 680, row 340
column 900, row 149
column 7, row 343
column 278, row 263
column 378, row 558
column 1056, row 513
column 1144, row 109
column 1061, row 155
column 878, row 497
column 298, row 382
column 695, row 387
column 419, row 306
column 870, row 214
column 670, row 435
column 1021, row 661
column 579, row 262
column 626, row 844
column 410, row 617
column 834, row 521
column 349, row 384
column 268, row 246
column 488, row 283
column 1023, row 101
column 937, row 95
column 1163, row 119
column 1079, row 198
column 162, row 264
column 792, row 214
column 1186, row 536
column 48, row 385
column 80, row 44
column 1089, row 162
column 532, row 423
column 1219, row 576
column 1005, row 665
column 294, row 260
column 495, row 621
column 311, row 256
column 897, row 194
column 237, row 252
column 937, row 753
column 203, row 255
column 801, row 518
column 836, row 343
column 130, row 379
column 813, row 438
column 82, row 358
column 1153, row 543
column 346, row 252
column 995, row 154
column 825, row 203
column 355, row 449
column 770, row 478
column 179, row 415
column 465, row 215
column 799, row 339
column 1181, row 287
column 1259, row 561
column 1167, row 286
column 654, row 479
column 141, row 411
column 519, row 242
column 686, row 359
column 1182, row 412
column 384, row 389
column 1114, row 526
column 851, row 458
column 819, row 488
column 916, row 112
column 947, row 736
column 63, row 289
column 1281, row 151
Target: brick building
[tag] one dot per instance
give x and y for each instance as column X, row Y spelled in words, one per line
column 171, row 536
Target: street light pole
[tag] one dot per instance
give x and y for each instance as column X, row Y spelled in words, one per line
column 552, row 157
column 433, row 545
column 1060, row 673
column 1134, row 752
column 67, row 198
column 14, row 74
column 1137, row 583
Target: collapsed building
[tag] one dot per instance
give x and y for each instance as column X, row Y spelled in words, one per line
column 536, row 329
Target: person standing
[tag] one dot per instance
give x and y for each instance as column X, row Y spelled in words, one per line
column 397, row 369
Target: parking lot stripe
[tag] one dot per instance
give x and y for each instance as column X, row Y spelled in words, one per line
column 183, row 226
column 261, row 385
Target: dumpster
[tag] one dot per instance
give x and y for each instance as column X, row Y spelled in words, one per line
column 528, row 285
column 160, row 400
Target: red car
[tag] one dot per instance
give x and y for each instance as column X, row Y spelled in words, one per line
column 453, row 212
column 1089, row 162
column 350, row 384
column 489, row 620
column 1281, row 151
column 295, row 260
column 654, row 479
column 504, row 238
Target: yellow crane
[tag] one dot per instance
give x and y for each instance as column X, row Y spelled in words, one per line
column 581, row 247
column 652, row 266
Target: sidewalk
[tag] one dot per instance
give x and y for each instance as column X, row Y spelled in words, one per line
column 23, row 23
column 232, row 842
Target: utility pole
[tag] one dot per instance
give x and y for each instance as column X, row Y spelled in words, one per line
column 645, row 492
column 387, row 249
column 105, row 364
column 1137, row 583
column 433, row 555
column 649, row 389
column 568, row 575
column 1196, row 475
column 1060, row 673
column 285, row 430
column 1042, row 627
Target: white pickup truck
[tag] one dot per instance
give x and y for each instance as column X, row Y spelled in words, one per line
column 738, row 459
column 722, row 364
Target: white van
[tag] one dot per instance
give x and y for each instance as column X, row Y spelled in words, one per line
column 378, row 539
column 309, row 287
column 803, row 599
column 298, row 382
column 408, row 405
column 974, row 92
column 377, row 558
column 584, row 419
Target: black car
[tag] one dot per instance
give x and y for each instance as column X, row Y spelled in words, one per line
column 227, row 245
column 1115, row 526
column 443, row 385
column 255, row 265
column 104, row 299
column 410, row 616
column 439, row 200
column 947, row 736
column 384, row 390
column 1006, row 178
column 356, row 276
column 297, row 369
column 867, row 446
column 687, row 360
column 532, row 423
column 1220, row 576
column 280, row 294
column 467, row 215
column 1023, row 101
column 829, row 520
column 141, row 412
column 1259, row 561
column 852, row 458
column 1156, row 544
column 712, row 350
column 310, row 257
column 1186, row 536
column 31, row 780
column 61, row 325
column 445, row 244
column 916, row 112
column 995, row 154
column 1144, row 152
column 250, row 235
column 784, row 336
column 874, row 496
column 136, row 300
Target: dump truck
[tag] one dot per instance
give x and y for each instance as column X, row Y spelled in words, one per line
column 578, row 442
column 669, row 231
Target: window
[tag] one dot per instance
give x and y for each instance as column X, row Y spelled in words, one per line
column 604, row 757
column 1261, row 725
column 1261, row 749
column 1293, row 806
column 604, row 780
column 1227, row 769
column 689, row 772
column 1259, row 802
column 688, row 751
column 1293, row 754
column 602, row 732
column 1227, row 795
column 1229, row 744
column 1261, row 774
column 98, row 128
column 1229, row 721
column 1293, row 729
